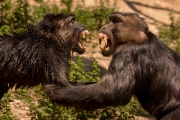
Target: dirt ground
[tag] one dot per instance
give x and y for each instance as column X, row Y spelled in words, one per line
column 155, row 12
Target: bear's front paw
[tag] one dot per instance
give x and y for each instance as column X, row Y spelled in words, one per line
column 52, row 91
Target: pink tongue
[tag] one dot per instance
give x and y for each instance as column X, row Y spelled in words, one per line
column 85, row 32
column 102, row 35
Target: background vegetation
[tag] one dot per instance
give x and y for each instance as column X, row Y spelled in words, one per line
column 14, row 17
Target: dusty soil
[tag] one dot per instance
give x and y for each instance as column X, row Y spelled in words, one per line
column 155, row 12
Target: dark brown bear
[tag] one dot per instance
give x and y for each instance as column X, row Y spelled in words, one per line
column 141, row 66
column 40, row 53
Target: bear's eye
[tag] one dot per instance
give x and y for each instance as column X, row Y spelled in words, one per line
column 73, row 20
column 116, row 20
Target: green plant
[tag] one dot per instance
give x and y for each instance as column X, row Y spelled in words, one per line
column 93, row 18
column 44, row 8
column 5, row 111
column 45, row 110
column 68, row 4
column 5, row 29
column 170, row 35
column 110, row 113
column 78, row 74
column 14, row 14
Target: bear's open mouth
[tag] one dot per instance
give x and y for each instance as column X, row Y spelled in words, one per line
column 82, row 37
column 107, row 42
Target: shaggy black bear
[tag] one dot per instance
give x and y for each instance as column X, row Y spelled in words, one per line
column 40, row 53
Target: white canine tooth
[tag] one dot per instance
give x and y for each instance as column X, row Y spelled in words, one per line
column 84, row 36
column 86, row 32
column 105, row 40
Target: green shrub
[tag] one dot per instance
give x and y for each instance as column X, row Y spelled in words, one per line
column 39, row 11
column 94, row 18
column 14, row 14
column 78, row 74
column 171, row 35
column 5, row 112
column 5, row 29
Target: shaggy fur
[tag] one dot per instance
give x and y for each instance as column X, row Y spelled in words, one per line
column 141, row 66
column 40, row 53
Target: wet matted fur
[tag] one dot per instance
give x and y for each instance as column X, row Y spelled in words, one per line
column 40, row 53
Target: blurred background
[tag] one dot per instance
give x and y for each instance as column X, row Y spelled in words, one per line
column 162, row 16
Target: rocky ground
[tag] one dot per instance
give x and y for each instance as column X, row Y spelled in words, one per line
column 156, row 13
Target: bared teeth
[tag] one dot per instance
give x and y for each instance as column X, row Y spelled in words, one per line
column 103, row 37
column 105, row 41
column 84, row 36
column 84, row 33
column 83, row 47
